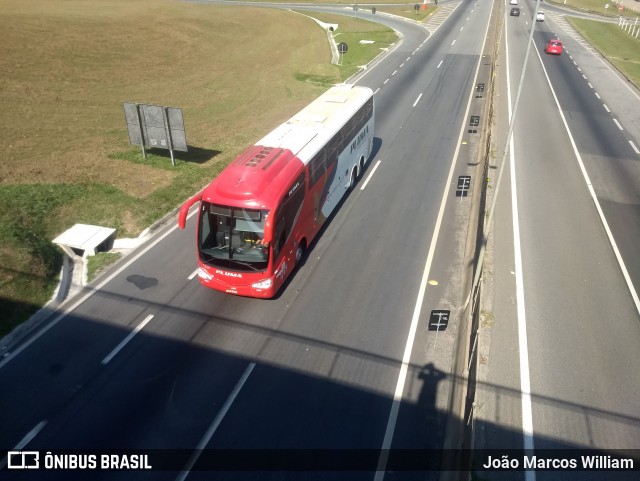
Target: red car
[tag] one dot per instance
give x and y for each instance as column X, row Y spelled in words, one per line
column 553, row 46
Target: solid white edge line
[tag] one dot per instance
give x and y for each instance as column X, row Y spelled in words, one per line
column 370, row 175
column 89, row 294
column 417, row 100
column 215, row 424
column 26, row 440
column 397, row 397
column 523, row 347
column 126, row 340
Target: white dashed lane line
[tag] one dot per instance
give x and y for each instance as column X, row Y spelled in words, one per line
column 127, row 339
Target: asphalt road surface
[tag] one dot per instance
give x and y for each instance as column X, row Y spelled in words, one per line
column 561, row 330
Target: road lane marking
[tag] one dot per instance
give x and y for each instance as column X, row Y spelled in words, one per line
column 453, row 43
column 385, row 82
column 633, row 146
column 606, row 108
column 370, row 175
column 394, row 72
column 618, row 124
column 26, row 440
column 440, row 64
column 597, row 95
column 193, row 274
column 523, row 349
column 216, row 423
column 417, row 100
column 376, row 91
column 127, row 339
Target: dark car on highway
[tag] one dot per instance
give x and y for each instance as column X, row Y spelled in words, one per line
column 515, row 12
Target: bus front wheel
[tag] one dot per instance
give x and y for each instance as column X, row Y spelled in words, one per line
column 300, row 251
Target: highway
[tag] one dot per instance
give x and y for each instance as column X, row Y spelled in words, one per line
column 343, row 359
column 145, row 358
column 561, row 329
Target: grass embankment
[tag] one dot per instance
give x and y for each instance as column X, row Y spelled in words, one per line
column 620, row 48
column 67, row 66
column 602, row 7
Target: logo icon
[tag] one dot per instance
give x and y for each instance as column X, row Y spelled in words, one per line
column 23, row 459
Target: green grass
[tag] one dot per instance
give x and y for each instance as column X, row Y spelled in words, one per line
column 620, row 48
column 67, row 67
column 598, row 6
column 97, row 263
column 409, row 11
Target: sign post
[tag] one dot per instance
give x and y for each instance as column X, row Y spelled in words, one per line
column 342, row 48
column 156, row 126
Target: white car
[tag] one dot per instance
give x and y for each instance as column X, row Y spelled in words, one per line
column 513, row 2
column 540, row 17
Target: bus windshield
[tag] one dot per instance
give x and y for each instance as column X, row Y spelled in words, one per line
column 233, row 238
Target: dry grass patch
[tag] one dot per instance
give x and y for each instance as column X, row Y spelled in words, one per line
column 67, row 66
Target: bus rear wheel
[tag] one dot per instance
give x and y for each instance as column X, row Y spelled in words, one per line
column 352, row 180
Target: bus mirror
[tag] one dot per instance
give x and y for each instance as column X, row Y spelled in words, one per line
column 184, row 210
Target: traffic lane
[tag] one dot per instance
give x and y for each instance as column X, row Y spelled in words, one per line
column 608, row 86
column 44, row 376
column 610, row 161
column 572, row 282
column 157, row 392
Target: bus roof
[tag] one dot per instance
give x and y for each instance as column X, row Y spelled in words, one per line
column 256, row 177
column 308, row 130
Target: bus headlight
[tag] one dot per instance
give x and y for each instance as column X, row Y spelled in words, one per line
column 204, row 274
column 265, row 284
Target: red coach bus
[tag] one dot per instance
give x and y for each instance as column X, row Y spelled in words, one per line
column 258, row 216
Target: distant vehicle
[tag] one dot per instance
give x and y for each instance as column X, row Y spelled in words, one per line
column 256, row 219
column 513, row 2
column 553, row 47
column 540, row 17
column 515, row 12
